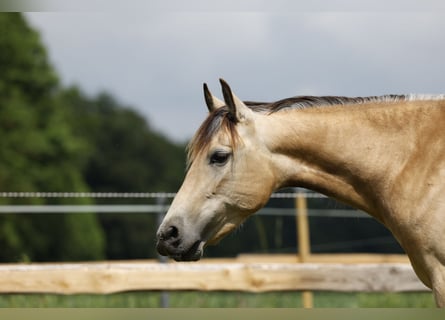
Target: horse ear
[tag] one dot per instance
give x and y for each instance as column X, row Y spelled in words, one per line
column 238, row 110
column 212, row 102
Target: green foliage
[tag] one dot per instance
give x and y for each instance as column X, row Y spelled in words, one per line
column 124, row 155
column 38, row 153
column 23, row 62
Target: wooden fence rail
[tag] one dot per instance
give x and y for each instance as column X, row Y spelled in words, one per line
column 110, row 277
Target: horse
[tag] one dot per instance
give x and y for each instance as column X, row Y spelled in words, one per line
column 384, row 155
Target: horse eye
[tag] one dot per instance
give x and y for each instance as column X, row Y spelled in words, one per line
column 219, row 157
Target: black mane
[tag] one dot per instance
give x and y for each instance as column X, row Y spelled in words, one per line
column 302, row 102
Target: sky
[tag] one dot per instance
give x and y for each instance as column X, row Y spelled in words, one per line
column 157, row 60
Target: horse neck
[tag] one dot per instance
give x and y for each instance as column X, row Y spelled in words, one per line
column 349, row 153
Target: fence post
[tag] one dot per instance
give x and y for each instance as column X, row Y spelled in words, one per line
column 160, row 201
column 304, row 246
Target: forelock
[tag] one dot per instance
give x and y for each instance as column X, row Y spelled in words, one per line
column 218, row 120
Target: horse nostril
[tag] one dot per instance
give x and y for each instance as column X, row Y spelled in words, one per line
column 171, row 233
column 168, row 241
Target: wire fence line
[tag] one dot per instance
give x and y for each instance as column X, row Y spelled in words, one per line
column 138, row 195
column 148, row 195
column 161, row 206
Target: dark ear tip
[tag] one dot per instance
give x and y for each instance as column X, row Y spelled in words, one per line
column 223, row 82
column 208, row 98
column 206, row 89
column 226, row 89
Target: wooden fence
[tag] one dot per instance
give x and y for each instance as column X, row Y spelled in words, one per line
column 240, row 274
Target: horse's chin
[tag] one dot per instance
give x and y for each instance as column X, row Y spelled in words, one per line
column 193, row 254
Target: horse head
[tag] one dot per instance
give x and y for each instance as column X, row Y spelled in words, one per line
column 229, row 177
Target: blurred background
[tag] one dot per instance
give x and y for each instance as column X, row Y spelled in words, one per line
column 106, row 102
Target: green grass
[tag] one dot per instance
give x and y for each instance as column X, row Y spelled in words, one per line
column 218, row 300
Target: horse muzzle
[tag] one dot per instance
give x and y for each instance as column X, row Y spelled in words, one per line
column 172, row 244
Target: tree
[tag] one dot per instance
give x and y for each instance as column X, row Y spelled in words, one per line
column 124, row 155
column 38, row 152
